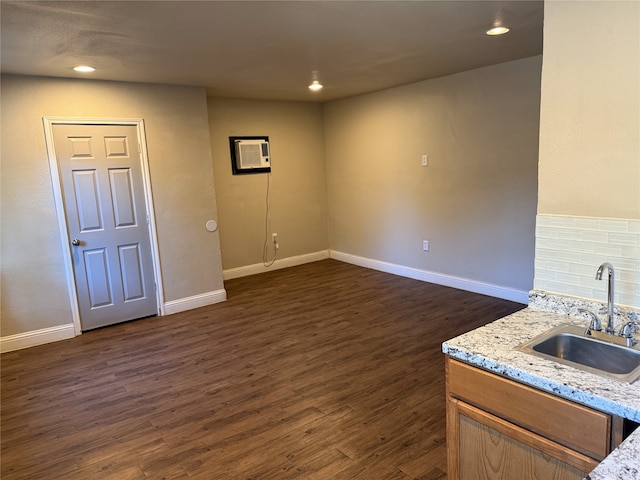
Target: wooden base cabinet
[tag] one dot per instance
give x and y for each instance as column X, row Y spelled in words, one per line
column 498, row 429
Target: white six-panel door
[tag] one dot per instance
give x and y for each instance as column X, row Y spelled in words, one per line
column 104, row 200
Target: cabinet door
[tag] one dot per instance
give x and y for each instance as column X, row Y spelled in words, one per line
column 575, row 426
column 485, row 447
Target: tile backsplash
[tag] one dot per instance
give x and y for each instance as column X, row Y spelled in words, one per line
column 569, row 250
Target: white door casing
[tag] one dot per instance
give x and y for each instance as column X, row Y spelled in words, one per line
column 114, row 279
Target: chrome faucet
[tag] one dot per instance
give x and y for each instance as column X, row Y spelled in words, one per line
column 610, row 285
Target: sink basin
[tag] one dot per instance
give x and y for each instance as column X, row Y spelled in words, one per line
column 600, row 353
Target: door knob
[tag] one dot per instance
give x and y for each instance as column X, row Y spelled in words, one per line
column 75, row 242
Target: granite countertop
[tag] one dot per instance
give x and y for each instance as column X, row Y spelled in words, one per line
column 492, row 348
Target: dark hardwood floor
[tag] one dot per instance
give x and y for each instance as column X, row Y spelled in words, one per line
column 323, row 371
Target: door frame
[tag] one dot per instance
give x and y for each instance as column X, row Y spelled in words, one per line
column 49, row 122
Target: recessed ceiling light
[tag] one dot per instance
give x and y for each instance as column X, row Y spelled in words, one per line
column 315, row 86
column 497, row 31
column 84, row 69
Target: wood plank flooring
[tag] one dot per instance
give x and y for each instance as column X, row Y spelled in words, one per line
column 322, row 371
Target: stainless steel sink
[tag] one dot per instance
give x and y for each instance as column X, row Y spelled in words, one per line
column 598, row 353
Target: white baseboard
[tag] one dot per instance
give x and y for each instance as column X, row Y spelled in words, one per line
column 282, row 263
column 36, row 337
column 64, row 332
column 196, row 301
column 437, row 278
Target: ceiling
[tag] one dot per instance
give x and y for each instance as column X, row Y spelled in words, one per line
column 266, row 49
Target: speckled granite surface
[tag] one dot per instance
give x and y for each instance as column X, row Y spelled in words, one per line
column 492, row 347
column 564, row 304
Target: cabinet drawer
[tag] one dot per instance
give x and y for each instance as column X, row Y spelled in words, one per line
column 577, row 427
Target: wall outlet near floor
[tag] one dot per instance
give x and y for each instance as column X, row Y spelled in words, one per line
column 425, row 160
column 425, row 245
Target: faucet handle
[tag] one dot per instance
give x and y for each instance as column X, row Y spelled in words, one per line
column 594, row 323
column 627, row 330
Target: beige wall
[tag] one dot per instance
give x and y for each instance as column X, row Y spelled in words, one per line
column 589, row 173
column 590, row 110
column 475, row 202
column 34, row 294
column 298, row 189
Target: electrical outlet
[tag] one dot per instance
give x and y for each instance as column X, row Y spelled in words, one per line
column 425, row 245
column 425, row 160
column 274, row 237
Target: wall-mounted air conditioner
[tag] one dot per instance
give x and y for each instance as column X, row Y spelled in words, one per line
column 250, row 155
